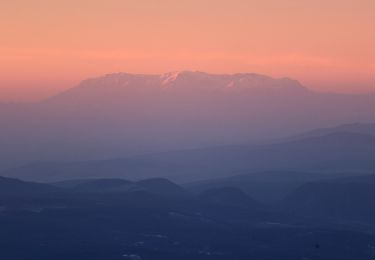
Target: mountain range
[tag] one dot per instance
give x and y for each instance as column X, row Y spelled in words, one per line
column 123, row 115
column 321, row 154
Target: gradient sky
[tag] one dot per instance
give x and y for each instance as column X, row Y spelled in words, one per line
column 50, row 45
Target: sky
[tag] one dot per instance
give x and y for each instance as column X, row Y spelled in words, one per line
column 47, row 46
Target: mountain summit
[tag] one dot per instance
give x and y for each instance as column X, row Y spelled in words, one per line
column 181, row 82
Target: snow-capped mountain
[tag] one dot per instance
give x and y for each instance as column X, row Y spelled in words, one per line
column 180, row 82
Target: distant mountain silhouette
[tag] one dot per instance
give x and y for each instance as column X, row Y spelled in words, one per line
column 98, row 185
column 341, row 152
column 157, row 186
column 266, row 186
column 161, row 186
column 228, row 196
column 18, row 188
column 338, row 200
column 359, row 128
column 120, row 115
column 366, row 179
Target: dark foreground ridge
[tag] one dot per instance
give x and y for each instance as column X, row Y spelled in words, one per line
column 157, row 219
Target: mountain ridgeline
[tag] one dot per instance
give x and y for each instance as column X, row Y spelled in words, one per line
column 323, row 153
column 121, row 115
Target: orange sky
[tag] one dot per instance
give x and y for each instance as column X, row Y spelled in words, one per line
column 50, row 45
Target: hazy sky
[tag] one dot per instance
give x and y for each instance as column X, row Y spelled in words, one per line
column 49, row 45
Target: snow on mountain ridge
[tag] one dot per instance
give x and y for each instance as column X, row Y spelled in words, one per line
column 186, row 83
column 194, row 79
